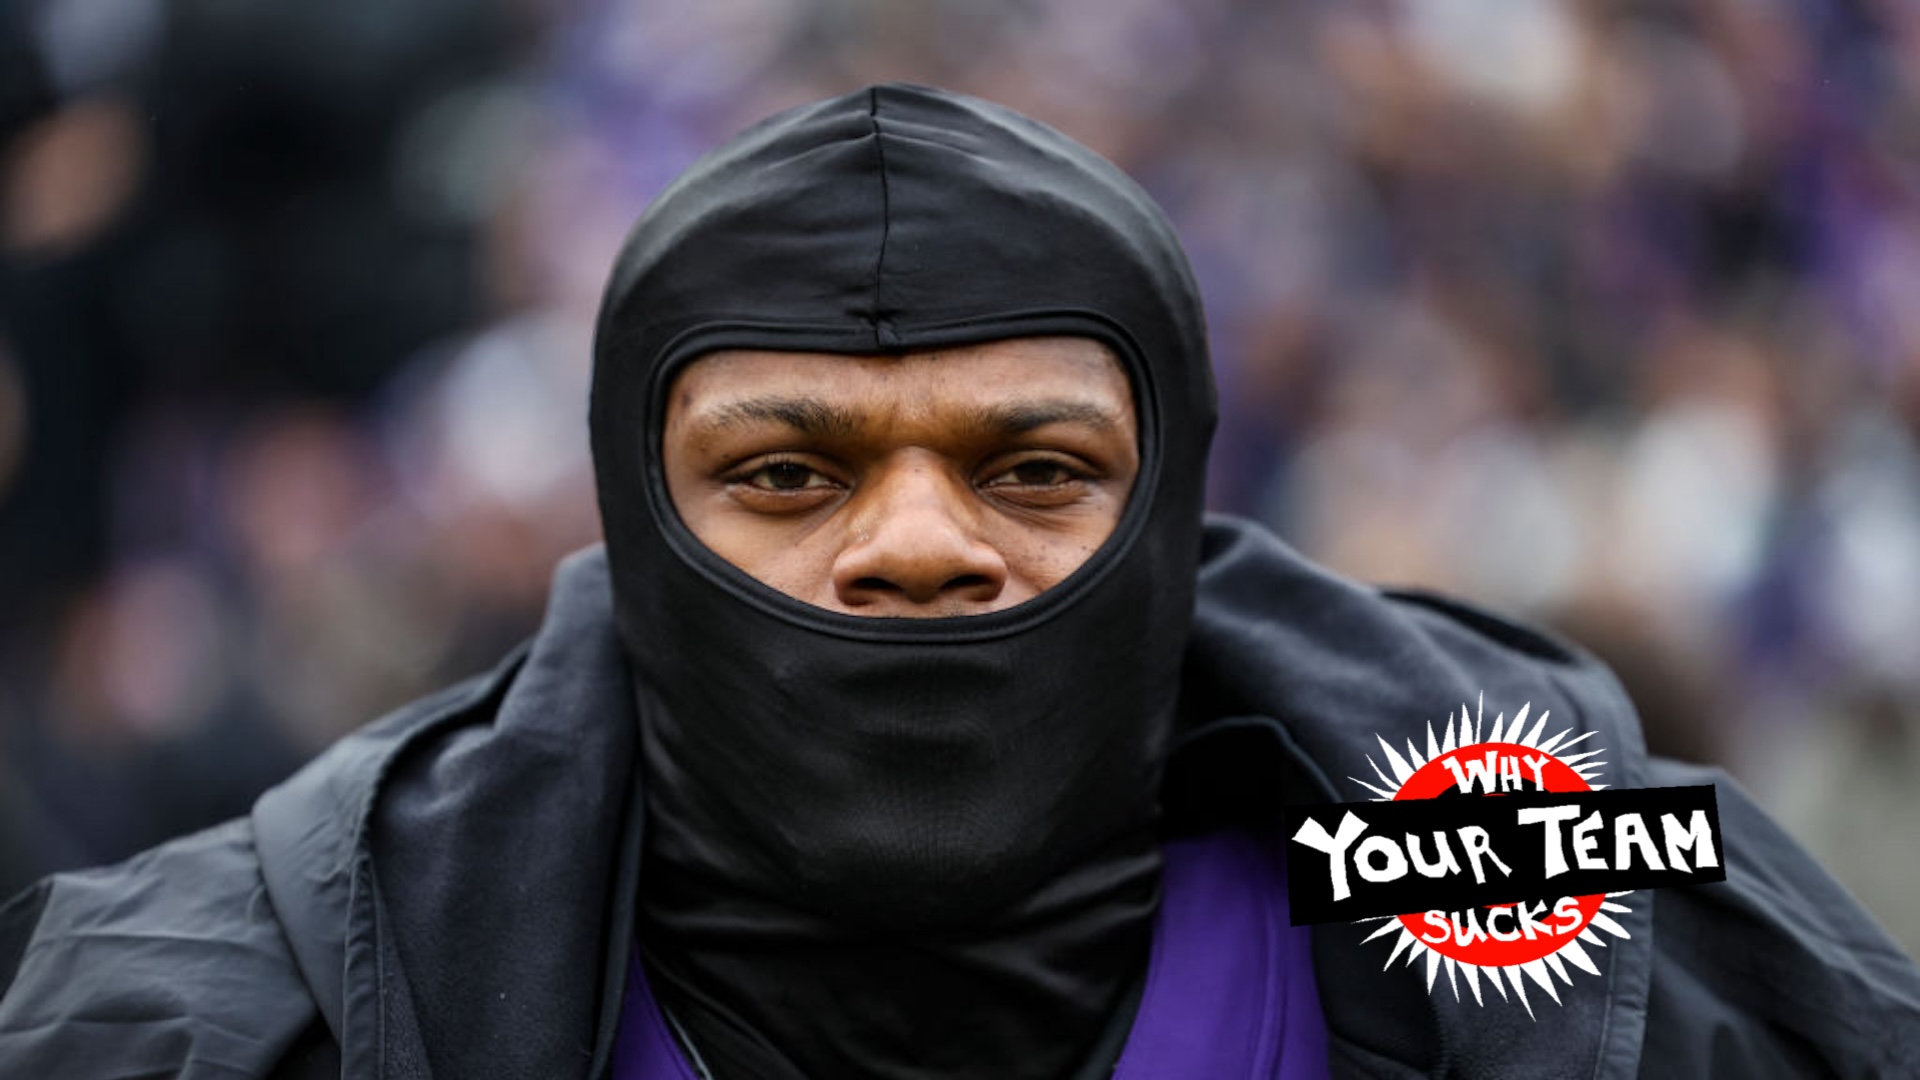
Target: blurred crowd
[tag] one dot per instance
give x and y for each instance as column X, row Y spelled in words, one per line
column 1606, row 314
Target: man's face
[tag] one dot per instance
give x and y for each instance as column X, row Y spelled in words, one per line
column 950, row 482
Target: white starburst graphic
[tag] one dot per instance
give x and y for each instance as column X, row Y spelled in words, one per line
column 1445, row 764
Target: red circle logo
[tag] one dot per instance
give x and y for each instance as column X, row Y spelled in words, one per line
column 1504, row 934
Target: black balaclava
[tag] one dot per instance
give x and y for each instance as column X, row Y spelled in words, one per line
column 900, row 847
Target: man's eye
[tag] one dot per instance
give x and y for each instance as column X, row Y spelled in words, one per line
column 785, row 476
column 1038, row 473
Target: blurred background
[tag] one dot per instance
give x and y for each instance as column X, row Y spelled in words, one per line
column 1603, row 314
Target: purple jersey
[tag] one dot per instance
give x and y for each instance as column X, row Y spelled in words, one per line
column 1229, row 989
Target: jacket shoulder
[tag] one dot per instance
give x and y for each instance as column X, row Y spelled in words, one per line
column 1338, row 663
column 218, row 951
column 171, row 962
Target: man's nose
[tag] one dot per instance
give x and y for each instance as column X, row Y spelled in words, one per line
column 914, row 548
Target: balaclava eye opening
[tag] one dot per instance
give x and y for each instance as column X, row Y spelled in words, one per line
column 724, row 576
column 900, row 821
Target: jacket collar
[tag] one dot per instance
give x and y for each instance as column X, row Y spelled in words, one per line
column 450, row 876
column 460, row 874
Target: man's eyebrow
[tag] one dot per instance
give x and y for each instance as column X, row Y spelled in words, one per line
column 809, row 416
column 1020, row 417
column 821, row 419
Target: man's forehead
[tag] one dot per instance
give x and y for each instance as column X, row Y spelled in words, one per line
column 1036, row 351
column 1017, row 383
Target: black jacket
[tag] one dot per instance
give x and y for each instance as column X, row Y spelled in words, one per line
column 446, row 892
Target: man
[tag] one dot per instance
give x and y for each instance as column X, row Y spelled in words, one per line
column 911, row 722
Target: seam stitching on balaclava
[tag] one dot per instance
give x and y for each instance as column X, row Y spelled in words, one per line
column 884, row 335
